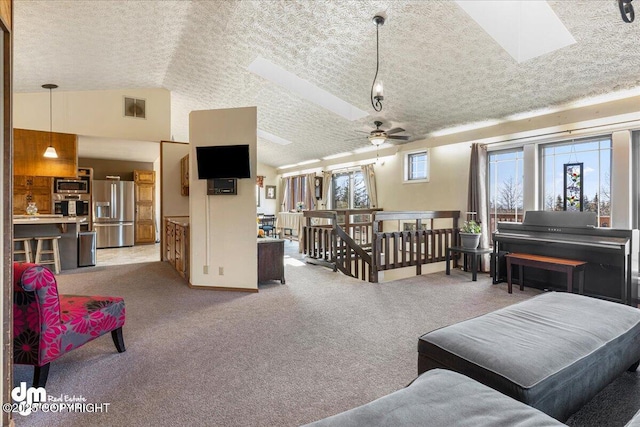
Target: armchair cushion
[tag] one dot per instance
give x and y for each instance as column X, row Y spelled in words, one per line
column 88, row 317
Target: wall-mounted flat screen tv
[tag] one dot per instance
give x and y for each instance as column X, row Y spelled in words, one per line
column 223, row 161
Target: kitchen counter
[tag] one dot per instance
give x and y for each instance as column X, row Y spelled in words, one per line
column 52, row 225
column 47, row 219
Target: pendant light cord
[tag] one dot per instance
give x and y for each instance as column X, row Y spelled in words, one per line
column 374, row 102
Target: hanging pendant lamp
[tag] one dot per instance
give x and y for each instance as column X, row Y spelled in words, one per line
column 50, row 152
column 377, row 90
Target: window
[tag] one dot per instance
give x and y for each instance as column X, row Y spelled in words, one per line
column 595, row 156
column 505, row 187
column 349, row 191
column 296, row 192
column 416, row 166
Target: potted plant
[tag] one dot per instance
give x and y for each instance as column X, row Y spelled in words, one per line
column 470, row 234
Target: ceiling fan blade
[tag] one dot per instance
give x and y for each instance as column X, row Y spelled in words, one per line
column 362, row 131
column 399, row 137
column 394, row 130
column 355, row 139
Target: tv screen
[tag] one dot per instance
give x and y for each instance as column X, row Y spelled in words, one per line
column 223, row 161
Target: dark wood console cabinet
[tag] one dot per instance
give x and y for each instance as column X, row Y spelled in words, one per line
column 271, row 260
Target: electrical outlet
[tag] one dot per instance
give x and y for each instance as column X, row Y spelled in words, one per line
column 205, row 269
column 220, row 271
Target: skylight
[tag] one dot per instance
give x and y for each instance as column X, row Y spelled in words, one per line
column 273, row 138
column 278, row 75
column 525, row 29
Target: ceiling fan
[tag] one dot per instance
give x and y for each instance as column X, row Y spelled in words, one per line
column 379, row 136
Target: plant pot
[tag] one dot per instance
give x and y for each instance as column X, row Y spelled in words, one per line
column 470, row 240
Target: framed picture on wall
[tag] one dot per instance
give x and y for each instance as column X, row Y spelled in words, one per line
column 270, row 192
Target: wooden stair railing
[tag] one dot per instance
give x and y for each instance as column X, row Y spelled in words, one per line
column 365, row 252
column 351, row 259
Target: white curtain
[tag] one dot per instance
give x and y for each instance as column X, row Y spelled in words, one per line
column 369, row 176
column 309, row 197
column 326, row 188
column 284, row 207
column 478, row 200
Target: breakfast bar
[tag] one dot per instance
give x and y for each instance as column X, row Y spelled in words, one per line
column 68, row 228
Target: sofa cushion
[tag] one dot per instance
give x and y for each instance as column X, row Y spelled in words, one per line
column 442, row 398
column 554, row 352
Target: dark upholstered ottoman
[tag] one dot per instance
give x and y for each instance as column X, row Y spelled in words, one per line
column 553, row 352
column 442, row 398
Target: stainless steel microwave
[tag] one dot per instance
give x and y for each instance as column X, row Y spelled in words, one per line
column 70, row 186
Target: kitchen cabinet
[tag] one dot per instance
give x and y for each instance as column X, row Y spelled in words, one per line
column 145, row 230
column 144, row 177
column 35, row 189
column 170, row 241
column 184, row 175
column 176, row 240
column 29, row 147
column 182, row 249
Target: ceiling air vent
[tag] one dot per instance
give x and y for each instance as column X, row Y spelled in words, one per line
column 134, row 107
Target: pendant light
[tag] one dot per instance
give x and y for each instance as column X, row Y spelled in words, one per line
column 377, row 90
column 50, row 152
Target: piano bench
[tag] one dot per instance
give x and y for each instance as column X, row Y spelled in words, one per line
column 554, row 352
column 568, row 266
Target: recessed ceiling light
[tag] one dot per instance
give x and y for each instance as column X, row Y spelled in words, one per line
column 278, row 75
column 306, row 162
column 273, row 138
column 337, row 156
column 525, row 29
column 465, row 127
column 286, row 166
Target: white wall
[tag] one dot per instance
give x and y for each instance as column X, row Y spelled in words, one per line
column 173, row 202
column 223, row 228
column 95, row 113
column 268, row 206
column 621, row 176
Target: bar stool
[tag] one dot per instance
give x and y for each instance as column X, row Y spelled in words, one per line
column 24, row 248
column 54, row 251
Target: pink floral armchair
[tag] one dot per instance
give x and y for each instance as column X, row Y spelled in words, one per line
column 47, row 325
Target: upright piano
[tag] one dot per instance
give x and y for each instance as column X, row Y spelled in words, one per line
column 611, row 254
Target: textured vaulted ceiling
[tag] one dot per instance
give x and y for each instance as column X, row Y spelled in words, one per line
column 439, row 67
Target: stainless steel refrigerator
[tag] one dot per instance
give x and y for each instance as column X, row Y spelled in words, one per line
column 113, row 213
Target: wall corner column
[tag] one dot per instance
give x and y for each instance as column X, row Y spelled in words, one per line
column 621, row 176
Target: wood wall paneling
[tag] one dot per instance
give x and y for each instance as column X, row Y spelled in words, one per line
column 29, row 147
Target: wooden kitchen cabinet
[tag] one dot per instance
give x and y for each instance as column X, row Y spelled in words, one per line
column 176, row 240
column 36, row 189
column 145, row 230
column 29, row 147
column 184, row 175
column 182, row 249
column 144, row 177
column 170, row 241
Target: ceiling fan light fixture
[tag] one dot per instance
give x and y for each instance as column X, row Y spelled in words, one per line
column 377, row 139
